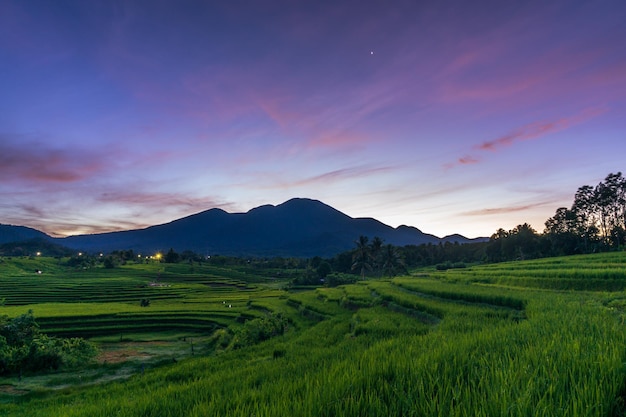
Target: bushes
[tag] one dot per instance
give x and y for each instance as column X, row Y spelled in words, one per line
column 24, row 348
column 257, row 330
column 252, row 332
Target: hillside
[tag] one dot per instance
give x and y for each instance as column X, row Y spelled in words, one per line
column 10, row 233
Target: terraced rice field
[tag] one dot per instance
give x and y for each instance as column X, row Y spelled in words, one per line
column 534, row 338
column 107, row 301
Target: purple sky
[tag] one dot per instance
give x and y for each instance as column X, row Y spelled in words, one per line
column 451, row 116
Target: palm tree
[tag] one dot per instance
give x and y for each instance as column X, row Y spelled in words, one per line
column 392, row 261
column 375, row 253
column 361, row 256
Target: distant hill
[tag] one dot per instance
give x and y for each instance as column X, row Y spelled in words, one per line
column 457, row 238
column 299, row 227
column 10, row 234
column 46, row 246
column 20, row 240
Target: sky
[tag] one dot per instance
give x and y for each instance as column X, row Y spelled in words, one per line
column 450, row 116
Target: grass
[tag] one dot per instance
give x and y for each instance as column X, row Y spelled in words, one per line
column 514, row 339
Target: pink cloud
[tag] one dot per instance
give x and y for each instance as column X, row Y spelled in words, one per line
column 338, row 140
column 487, row 71
column 325, row 178
column 277, row 108
column 75, row 227
column 32, row 211
column 342, row 174
column 530, row 131
column 36, row 162
column 337, row 118
column 224, row 93
column 64, row 229
column 121, row 209
column 160, row 199
column 298, row 101
column 508, row 209
column 467, row 160
column 58, row 225
column 538, row 129
column 297, row 124
column 464, row 160
column 294, row 104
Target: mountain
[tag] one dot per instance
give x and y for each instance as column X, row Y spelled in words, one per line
column 9, row 233
column 299, row 227
column 457, row 238
column 32, row 246
column 20, row 240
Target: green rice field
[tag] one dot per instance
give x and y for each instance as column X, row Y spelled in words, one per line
column 528, row 338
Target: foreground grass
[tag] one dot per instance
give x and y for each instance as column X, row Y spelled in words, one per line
column 447, row 344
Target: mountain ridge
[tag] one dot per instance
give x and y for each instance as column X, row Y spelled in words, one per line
column 299, row 227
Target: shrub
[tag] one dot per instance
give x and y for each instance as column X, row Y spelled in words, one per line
column 110, row 262
column 24, row 348
column 257, row 330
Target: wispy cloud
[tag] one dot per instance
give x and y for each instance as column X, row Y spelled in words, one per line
column 35, row 161
column 342, row 174
column 74, row 227
column 464, row 160
column 272, row 181
column 538, row 129
column 512, row 66
column 157, row 200
column 529, row 131
column 31, row 211
column 118, row 209
column 507, row 209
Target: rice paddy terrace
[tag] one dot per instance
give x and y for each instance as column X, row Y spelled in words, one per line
column 531, row 338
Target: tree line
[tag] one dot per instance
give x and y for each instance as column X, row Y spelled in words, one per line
column 595, row 222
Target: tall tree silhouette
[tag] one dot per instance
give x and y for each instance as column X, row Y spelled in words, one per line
column 391, row 261
column 376, row 253
column 361, row 256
